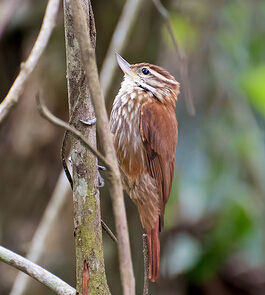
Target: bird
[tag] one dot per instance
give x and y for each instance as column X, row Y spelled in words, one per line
column 145, row 134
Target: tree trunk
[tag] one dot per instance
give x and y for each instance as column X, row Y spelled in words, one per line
column 90, row 270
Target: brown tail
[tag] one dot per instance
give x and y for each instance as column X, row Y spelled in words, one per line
column 154, row 252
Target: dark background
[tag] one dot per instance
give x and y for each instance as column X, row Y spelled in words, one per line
column 214, row 239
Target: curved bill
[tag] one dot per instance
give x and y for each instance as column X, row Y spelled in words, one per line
column 124, row 65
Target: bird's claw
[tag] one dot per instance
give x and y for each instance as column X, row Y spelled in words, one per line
column 101, row 168
column 89, row 122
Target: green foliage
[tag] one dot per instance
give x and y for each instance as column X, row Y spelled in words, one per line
column 184, row 31
column 231, row 227
column 253, row 83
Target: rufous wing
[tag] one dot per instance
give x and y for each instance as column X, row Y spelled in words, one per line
column 159, row 132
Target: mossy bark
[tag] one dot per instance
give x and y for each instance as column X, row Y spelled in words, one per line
column 86, row 201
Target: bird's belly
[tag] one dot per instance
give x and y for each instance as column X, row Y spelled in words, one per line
column 125, row 127
column 129, row 149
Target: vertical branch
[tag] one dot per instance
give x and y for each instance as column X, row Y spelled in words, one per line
column 116, row 191
column 87, row 219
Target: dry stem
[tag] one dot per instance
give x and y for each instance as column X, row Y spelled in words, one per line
column 36, row 272
column 29, row 65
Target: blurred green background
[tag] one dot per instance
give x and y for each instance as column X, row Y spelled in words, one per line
column 214, row 237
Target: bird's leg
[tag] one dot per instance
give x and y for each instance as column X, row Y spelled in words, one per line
column 101, row 181
column 89, row 122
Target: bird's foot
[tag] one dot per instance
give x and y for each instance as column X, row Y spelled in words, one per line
column 101, row 168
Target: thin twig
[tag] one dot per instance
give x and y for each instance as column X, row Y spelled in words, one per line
column 44, row 111
column 146, row 265
column 118, row 42
column 64, row 158
column 108, row 231
column 35, row 271
column 29, row 65
column 182, row 59
column 38, row 242
column 116, row 190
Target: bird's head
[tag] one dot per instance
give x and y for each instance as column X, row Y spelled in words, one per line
column 150, row 78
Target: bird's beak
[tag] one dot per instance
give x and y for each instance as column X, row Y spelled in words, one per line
column 124, row 65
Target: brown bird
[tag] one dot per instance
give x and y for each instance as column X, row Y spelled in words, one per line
column 145, row 130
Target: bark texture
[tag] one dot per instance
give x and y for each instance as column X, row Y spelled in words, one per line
column 87, row 219
column 115, row 188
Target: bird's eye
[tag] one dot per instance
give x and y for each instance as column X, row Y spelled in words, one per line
column 145, row 71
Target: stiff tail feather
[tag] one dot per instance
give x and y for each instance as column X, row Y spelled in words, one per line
column 154, row 252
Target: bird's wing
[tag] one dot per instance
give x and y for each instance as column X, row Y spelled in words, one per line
column 159, row 132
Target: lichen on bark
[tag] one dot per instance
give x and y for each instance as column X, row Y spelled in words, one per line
column 86, row 201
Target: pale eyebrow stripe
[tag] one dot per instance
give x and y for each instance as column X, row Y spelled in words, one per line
column 156, row 74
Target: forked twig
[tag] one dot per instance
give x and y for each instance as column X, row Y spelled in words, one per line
column 44, row 111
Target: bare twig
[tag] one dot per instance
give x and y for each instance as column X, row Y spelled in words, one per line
column 38, row 242
column 118, row 42
column 182, row 59
column 29, row 65
column 44, row 111
column 146, row 265
column 108, row 231
column 35, row 271
column 116, row 190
